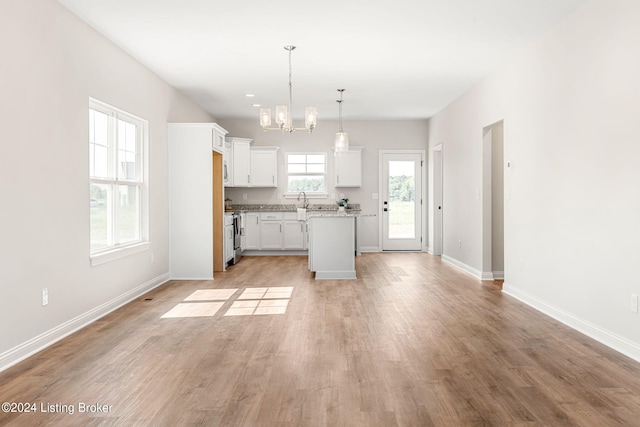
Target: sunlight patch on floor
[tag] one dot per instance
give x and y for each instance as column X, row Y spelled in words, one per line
column 211, row 295
column 248, row 308
column 198, row 309
column 201, row 303
column 252, row 302
column 257, row 301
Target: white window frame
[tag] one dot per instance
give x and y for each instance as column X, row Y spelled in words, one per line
column 115, row 249
column 310, row 195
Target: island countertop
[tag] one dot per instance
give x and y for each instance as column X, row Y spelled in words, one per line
column 312, row 214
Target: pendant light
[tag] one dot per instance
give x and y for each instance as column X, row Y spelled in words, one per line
column 342, row 138
column 284, row 114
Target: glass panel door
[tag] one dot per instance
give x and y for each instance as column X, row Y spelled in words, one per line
column 401, row 201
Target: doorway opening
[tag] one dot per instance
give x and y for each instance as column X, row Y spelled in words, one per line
column 493, row 202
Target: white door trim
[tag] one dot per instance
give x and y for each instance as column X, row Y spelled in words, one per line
column 438, row 198
column 422, row 193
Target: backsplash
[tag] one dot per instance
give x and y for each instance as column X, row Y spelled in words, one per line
column 266, row 207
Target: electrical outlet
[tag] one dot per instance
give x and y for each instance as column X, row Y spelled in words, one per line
column 45, row 296
column 460, row 243
column 634, row 303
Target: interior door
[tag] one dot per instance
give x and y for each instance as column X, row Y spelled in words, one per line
column 401, row 201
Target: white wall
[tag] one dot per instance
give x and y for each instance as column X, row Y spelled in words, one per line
column 51, row 64
column 570, row 105
column 373, row 135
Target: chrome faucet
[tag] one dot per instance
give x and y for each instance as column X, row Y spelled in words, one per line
column 304, row 202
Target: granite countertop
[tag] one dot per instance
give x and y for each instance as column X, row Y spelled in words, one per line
column 337, row 214
column 313, row 208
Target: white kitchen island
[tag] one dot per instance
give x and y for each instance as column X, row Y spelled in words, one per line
column 332, row 246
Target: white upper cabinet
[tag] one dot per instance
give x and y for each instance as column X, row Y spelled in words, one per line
column 228, row 165
column 218, row 134
column 264, row 167
column 348, row 167
column 252, row 166
column 241, row 159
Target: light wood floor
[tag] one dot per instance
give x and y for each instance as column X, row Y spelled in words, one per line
column 412, row 342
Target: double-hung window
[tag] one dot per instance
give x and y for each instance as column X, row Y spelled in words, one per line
column 117, row 150
column 306, row 172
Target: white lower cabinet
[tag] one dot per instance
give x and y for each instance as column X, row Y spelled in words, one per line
column 271, row 235
column 295, row 232
column 271, row 230
column 274, row 231
column 252, row 231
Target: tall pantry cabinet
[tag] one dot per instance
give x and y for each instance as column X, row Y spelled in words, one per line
column 196, row 200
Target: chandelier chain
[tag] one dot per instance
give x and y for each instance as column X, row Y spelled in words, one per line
column 290, row 48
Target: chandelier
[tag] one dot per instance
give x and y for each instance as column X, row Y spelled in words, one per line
column 284, row 118
column 342, row 138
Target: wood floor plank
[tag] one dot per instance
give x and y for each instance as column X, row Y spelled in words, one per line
column 412, row 342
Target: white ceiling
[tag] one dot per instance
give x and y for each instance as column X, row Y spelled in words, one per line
column 401, row 59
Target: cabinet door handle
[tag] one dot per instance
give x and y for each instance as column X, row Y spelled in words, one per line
column 338, row 179
column 281, row 228
column 248, row 179
column 273, row 179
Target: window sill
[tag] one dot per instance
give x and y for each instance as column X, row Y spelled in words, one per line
column 309, row 195
column 117, row 253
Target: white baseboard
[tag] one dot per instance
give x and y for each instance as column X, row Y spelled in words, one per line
column 265, row 252
column 50, row 337
column 492, row 275
column 369, row 249
column 462, row 266
column 608, row 338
